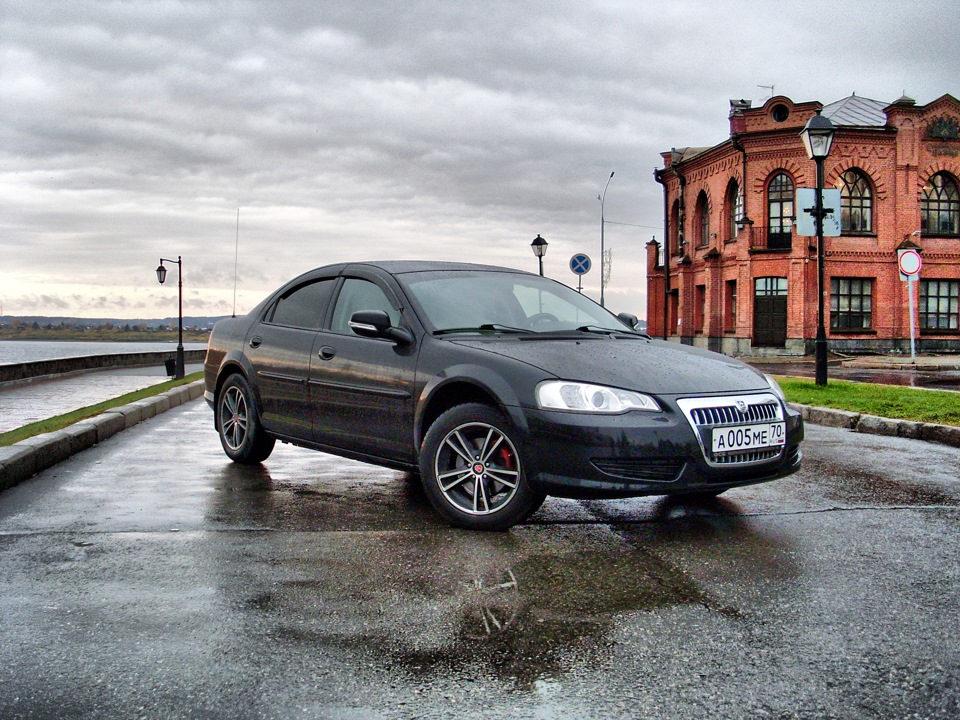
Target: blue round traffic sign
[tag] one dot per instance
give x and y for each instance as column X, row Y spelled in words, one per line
column 580, row 264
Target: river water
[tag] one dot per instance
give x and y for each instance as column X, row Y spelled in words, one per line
column 14, row 352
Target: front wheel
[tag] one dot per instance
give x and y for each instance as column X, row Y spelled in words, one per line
column 243, row 438
column 472, row 470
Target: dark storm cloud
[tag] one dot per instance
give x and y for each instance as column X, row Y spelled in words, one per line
column 131, row 130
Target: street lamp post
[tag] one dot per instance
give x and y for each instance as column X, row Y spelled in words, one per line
column 161, row 276
column 817, row 138
column 539, row 246
column 603, row 258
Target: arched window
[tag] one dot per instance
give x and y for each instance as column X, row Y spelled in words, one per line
column 702, row 220
column 675, row 228
column 856, row 203
column 940, row 206
column 733, row 208
column 779, row 212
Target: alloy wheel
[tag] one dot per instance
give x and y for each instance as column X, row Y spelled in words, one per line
column 234, row 418
column 477, row 468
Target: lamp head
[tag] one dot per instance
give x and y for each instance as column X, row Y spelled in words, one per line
column 539, row 246
column 161, row 272
column 817, row 137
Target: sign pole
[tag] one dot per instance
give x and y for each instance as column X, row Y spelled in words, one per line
column 910, row 263
column 913, row 332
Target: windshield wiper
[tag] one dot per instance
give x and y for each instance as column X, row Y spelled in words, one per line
column 484, row 328
column 497, row 327
column 605, row 330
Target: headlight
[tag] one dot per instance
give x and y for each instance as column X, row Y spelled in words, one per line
column 775, row 387
column 582, row 397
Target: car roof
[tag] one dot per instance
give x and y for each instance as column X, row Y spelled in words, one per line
column 397, row 267
column 391, row 267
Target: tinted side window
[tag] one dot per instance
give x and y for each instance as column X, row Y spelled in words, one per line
column 303, row 306
column 357, row 295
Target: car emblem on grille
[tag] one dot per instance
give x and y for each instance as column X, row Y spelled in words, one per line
column 742, row 406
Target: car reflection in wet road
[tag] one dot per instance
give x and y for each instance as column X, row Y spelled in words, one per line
column 152, row 573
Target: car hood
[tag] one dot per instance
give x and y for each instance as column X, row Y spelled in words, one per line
column 644, row 365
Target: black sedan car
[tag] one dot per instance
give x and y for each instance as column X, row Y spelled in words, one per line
column 499, row 386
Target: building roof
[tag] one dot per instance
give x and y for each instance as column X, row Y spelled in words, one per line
column 856, row 110
column 687, row 153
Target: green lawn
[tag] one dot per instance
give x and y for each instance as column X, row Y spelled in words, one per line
column 891, row 401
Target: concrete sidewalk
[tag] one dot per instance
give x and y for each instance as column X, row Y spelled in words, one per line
column 24, row 459
column 923, row 363
column 25, row 402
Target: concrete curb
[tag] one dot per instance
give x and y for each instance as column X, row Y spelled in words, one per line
column 28, row 457
column 931, row 432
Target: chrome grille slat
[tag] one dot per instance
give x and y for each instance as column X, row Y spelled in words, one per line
column 747, row 457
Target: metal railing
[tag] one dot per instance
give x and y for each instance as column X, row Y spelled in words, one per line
column 766, row 239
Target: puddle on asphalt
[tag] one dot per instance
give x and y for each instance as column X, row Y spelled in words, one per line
column 513, row 607
column 426, row 600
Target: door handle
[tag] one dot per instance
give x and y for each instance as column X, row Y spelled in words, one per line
column 255, row 341
column 327, row 353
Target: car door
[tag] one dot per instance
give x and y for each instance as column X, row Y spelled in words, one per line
column 362, row 388
column 279, row 349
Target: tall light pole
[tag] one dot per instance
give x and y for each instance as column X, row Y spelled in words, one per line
column 603, row 258
column 539, row 247
column 817, row 138
column 161, row 276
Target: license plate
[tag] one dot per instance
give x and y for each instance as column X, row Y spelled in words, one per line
column 749, row 437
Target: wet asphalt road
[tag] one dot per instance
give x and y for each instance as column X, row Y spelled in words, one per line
column 149, row 577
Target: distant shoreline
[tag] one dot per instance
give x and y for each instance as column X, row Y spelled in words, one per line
column 102, row 335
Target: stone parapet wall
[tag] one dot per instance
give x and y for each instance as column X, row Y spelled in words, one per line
column 20, row 372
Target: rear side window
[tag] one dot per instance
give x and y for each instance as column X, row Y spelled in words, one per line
column 303, row 307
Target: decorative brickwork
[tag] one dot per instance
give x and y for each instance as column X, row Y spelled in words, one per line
column 909, row 156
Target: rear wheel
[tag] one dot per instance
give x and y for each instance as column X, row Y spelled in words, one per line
column 472, row 470
column 243, row 438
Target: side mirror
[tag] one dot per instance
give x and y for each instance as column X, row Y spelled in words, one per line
column 629, row 319
column 376, row 324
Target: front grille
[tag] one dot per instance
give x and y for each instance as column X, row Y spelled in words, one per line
column 732, row 415
column 640, row 469
column 707, row 414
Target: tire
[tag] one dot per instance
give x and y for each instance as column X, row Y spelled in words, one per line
column 238, row 422
column 472, row 470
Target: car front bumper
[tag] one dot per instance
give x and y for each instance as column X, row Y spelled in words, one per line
column 635, row 454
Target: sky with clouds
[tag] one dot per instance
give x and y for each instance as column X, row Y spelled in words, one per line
column 134, row 130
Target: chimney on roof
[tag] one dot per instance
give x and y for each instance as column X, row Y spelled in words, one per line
column 738, row 123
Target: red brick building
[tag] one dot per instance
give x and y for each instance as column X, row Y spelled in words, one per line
column 742, row 281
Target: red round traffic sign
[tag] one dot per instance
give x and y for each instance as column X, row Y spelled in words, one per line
column 910, row 262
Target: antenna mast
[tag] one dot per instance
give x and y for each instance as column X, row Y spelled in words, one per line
column 236, row 257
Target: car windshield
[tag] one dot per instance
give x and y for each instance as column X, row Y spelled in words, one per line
column 490, row 301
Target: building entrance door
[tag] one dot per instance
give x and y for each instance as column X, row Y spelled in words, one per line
column 770, row 312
